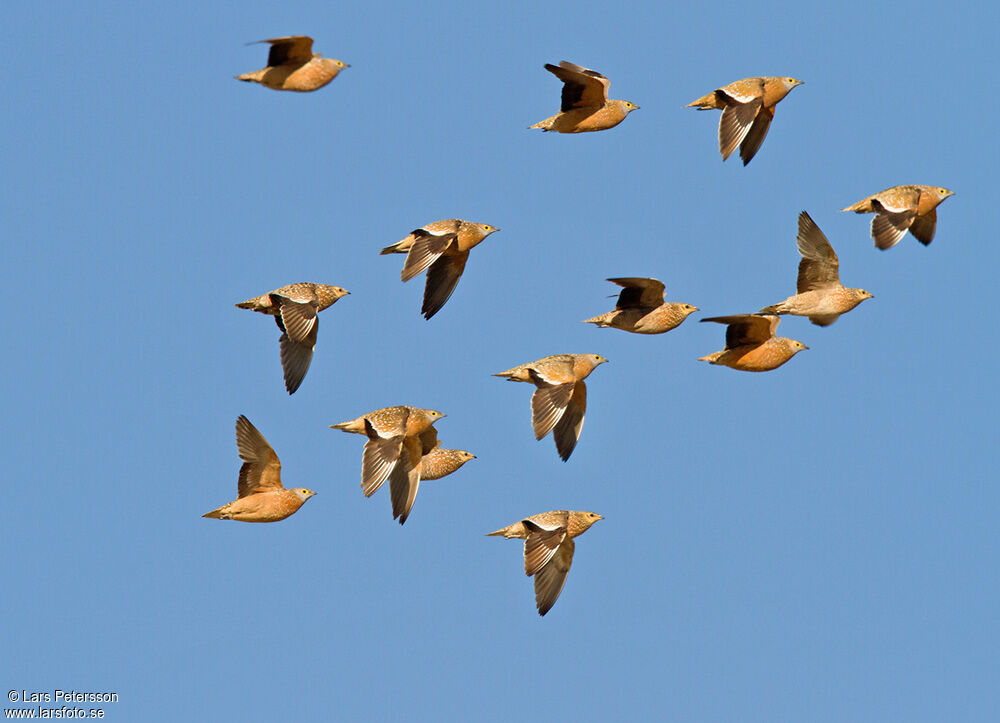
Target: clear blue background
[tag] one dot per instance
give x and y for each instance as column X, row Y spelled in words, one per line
column 816, row 543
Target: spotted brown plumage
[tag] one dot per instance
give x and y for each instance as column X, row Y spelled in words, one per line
column 560, row 399
column 291, row 65
column 585, row 106
column 295, row 308
column 821, row 296
column 747, row 111
column 260, row 495
column 398, row 440
column 641, row 308
column 900, row 209
column 548, row 549
column 442, row 249
column 751, row 345
column 435, row 463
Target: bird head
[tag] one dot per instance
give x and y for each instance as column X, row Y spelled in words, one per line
column 302, row 493
column 586, row 519
column 486, row 229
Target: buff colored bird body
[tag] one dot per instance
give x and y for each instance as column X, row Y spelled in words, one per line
column 435, row 463
column 548, row 549
column 641, row 308
column 291, row 65
column 751, row 345
column 821, row 296
column 398, row 438
column 560, row 399
column 900, row 209
column 295, row 308
column 442, row 249
column 260, row 495
column 747, row 111
column 585, row 105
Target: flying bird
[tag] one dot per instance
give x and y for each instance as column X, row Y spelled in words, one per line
column 585, row 105
column 751, row 345
column 435, row 462
column 441, row 248
column 747, row 110
column 260, row 495
column 295, row 308
column 820, row 295
column 292, row 65
column 900, row 209
column 548, row 549
column 641, row 308
column 560, row 399
column 398, row 439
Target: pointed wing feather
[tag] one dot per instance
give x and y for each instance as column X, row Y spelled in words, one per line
column 540, row 545
column 756, row 135
column 923, row 227
column 442, row 278
column 582, row 88
column 550, row 580
column 819, row 267
column 261, row 469
column 735, row 123
column 294, row 48
column 548, row 403
column 567, row 430
column 426, row 249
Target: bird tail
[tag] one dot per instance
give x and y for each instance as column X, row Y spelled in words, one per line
column 864, row 206
column 545, row 125
column 255, row 303
column 501, row 532
column 602, row 320
column 253, row 77
column 711, row 358
column 356, row 426
column 517, row 374
column 772, row 309
column 400, row 247
column 706, row 102
column 218, row 514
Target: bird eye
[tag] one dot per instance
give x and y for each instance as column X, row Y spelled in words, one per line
column 942, row 190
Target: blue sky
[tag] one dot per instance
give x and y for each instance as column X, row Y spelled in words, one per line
column 816, row 543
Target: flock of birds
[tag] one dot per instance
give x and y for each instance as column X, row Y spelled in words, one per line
column 401, row 443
